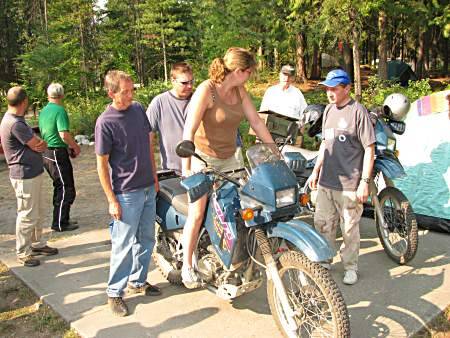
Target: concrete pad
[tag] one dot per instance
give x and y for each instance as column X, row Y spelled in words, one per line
column 388, row 301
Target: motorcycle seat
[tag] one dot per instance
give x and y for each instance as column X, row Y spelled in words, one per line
column 172, row 191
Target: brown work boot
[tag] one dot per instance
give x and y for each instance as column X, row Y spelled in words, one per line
column 147, row 289
column 45, row 251
column 28, row 261
column 118, row 306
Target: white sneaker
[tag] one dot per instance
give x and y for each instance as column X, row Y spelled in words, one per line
column 350, row 277
column 190, row 278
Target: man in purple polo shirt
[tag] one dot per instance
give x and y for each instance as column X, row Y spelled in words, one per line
column 123, row 142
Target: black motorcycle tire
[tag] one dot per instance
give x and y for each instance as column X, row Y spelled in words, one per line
column 322, row 285
column 400, row 221
column 166, row 266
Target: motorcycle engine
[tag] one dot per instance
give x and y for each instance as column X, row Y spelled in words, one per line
column 208, row 267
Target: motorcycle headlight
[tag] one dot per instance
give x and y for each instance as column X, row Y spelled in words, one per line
column 391, row 144
column 285, row 197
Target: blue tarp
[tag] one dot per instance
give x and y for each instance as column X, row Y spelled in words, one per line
column 424, row 151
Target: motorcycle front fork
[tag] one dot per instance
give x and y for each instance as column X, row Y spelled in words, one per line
column 373, row 191
column 272, row 273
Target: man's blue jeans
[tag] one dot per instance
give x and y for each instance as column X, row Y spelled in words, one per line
column 133, row 239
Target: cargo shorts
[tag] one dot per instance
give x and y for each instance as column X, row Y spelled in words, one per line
column 342, row 208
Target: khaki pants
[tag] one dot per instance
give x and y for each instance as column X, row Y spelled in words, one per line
column 30, row 208
column 340, row 207
column 234, row 162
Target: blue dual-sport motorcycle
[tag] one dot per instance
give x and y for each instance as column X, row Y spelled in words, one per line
column 248, row 228
column 395, row 220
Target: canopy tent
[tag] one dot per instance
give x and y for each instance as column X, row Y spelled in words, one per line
column 424, row 151
column 401, row 72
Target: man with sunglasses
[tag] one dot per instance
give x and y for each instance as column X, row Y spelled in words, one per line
column 167, row 114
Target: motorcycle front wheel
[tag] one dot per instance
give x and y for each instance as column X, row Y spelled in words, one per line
column 399, row 235
column 316, row 300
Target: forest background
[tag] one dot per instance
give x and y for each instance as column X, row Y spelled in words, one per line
column 75, row 42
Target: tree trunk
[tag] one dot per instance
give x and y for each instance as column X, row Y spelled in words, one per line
column 84, row 71
column 375, row 52
column 434, row 50
column 163, row 43
column 301, row 66
column 137, row 47
column 382, row 47
column 445, row 54
column 356, row 64
column 261, row 63
column 316, row 67
column 46, row 21
column 276, row 60
column 426, row 61
column 348, row 59
column 421, row 56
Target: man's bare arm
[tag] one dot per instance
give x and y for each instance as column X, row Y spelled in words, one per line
column 37, row 144
column 103, row 174
column 69, row 140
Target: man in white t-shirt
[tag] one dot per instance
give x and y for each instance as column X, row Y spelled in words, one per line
column 284, row 98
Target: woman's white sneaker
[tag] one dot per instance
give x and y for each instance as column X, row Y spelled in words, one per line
column 190, row 278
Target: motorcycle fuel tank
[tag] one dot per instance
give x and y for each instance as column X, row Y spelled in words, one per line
column 220, row 221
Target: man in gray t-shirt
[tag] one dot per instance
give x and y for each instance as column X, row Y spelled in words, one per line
column 167, row 114
column 343, row 170
column 23, row 154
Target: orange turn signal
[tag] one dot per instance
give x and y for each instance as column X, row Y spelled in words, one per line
column 303, row 199
column 247, row 214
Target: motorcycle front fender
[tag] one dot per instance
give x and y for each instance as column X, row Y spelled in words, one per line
column 390, row 167
column 304, row 237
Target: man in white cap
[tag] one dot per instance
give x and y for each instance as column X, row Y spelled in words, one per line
column 284, row 98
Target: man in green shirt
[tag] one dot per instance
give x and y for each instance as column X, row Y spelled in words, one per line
column 54, row 127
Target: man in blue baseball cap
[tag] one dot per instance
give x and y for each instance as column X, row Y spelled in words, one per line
column 343, row 170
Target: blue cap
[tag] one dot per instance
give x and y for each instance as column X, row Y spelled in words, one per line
column 336, row 77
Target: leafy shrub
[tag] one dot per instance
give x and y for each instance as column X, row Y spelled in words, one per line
column 318, row 96
column 378, row 90
column 83, row 113
column 145, row 94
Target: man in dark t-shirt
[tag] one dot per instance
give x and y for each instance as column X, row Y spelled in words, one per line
column 123, row 142
column 167, row 114
column 343, row 170
column 23, row 153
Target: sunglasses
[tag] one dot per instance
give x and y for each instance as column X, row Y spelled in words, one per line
column 184, row 83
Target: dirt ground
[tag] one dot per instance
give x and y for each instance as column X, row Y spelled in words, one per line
column 21, row 313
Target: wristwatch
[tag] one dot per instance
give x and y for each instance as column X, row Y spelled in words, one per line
column 365, row 179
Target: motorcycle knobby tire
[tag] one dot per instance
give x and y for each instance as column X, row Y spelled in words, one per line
column 409, row 229
column 321, row 285
column 166, row 266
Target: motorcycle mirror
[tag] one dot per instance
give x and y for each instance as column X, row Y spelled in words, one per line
column 185, row 148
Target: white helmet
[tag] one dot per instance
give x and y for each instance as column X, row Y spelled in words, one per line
column 396, row 106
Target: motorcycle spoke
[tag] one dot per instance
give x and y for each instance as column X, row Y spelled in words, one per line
column 312, row 311
column 396, row 234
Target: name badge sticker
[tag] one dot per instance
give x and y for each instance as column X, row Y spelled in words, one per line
column 329, row 134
